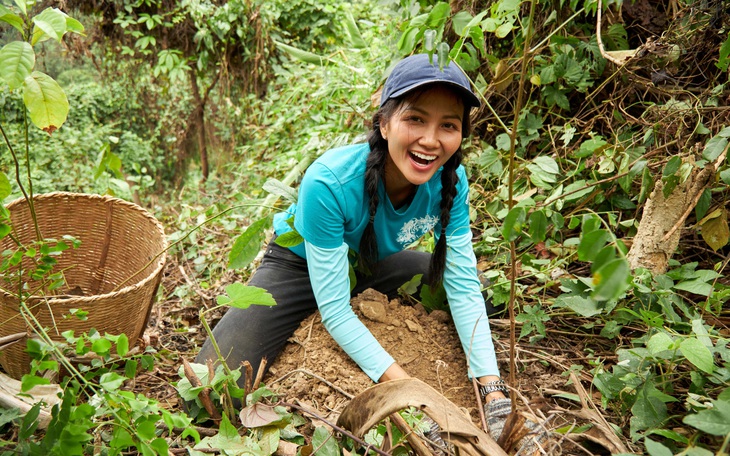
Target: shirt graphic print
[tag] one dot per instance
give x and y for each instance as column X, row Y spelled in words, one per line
column 413, row 229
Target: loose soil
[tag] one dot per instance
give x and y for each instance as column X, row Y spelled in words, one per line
column 316, row 375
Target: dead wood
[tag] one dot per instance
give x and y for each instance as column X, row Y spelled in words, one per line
column 383, row 399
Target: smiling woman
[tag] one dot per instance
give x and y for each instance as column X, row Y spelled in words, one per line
column 359, row 208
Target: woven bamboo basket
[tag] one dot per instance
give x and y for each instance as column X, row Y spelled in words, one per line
column 113, row 275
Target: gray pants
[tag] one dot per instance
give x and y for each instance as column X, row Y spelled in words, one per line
column 261, row 332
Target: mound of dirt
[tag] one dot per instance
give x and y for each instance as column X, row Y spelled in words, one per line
column 316, row 372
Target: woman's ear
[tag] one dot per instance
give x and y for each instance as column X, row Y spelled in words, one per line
column 384, row 131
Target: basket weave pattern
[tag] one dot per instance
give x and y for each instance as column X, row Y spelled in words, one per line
column 113, row 275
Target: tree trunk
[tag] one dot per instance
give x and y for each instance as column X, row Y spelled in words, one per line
column 199, row 119
column 661, row 223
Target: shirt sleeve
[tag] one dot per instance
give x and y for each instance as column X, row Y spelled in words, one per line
column 328, row 272
column 466, row 302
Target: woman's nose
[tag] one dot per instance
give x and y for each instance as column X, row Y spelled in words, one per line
column 429, row 138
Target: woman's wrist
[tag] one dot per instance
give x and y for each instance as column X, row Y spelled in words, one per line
column 492, row 387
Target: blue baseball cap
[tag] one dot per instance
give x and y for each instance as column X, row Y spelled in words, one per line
column 418, row 70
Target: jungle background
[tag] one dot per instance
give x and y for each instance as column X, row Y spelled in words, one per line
column 598, row 179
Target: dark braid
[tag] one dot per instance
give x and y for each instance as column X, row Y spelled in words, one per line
column 449, row 180
column 374, row 172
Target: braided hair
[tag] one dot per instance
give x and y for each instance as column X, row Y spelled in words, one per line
column 375, row 172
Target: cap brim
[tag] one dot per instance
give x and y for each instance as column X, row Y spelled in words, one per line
column 469, row 98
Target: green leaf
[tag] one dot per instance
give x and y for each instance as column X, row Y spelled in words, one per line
column 655, row 448
column 591, row 243
column 714, row 147
column 298, row 54
column 111, row 381
column 16, row 63
column 242, row 296
column 611, row 280
column 714, row 421
column 5, row 188
column 593, row 146
column 352, row 30
column 583, row 306
column 698, row 286
column 438, row 15
column 28, row 381
column 698, row 354
column 29, row 423
column 52, row 22
column 514, row 223
column 289, row 239
column 724, row 61
column 101, row 346
column 11, row 18
column 503, row 30
column 122, row 345
column 45, row 100
column 324, row 443
column 659, row 342
column 276, row 187
column 247, row 245
column 538, row 226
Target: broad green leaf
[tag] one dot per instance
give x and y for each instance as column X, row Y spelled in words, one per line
column 714, row 421
column 247, row 245
column 122, row 345
column 242, row 296
column 101, row 346
column 611, row 281
column 538, row 226
column 72, row 25
column 714, row 147
column 28, row 381
column 352, row 30
column 514, row 223
column 698, row 354
column 438, row 15
column 22, row 4
column 649, row 409
column 583, row 306
column 591, row 243
column 698, row 286
column 45, row 100
column 289, row 239
column 111, row 381
column 4, row 230
column 5, row 188
column 16, row 63
column 655, row 448
column 276, row 187
column 11, row 18
column 460, row 21
column 324, row 443
column 304, row 56
column 29, row 423
column 699, row 330
column 659, row 342
column 503, row 30
column 592, row 146
column 52, row 22
column 724, row 61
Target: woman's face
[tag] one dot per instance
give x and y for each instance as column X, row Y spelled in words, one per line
column 422, row 135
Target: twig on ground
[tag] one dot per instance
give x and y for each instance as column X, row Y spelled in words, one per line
column 345, row 432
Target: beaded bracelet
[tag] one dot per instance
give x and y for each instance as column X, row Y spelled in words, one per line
column 493, row 386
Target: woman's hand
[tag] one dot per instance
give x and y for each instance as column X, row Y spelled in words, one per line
column 497, row 412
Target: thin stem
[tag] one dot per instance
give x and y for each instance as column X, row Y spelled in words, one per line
column 510, row 202
column 31, row 203
column 19, row 181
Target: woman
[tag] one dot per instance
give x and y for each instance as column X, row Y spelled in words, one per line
column 376, row 199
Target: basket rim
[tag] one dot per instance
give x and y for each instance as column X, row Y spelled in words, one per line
column 105, row 198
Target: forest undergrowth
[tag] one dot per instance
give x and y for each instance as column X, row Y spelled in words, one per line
column 603, row 124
